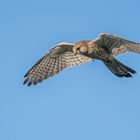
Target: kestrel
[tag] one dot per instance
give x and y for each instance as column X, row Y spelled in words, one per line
column 64, row 55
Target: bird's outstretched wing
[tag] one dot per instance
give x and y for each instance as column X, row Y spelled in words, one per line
column 117, row 45
column 58, row 58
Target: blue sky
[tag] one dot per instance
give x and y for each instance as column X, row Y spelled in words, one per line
column 83, row 103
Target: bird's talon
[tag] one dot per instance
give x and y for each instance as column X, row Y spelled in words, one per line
column 74, row 51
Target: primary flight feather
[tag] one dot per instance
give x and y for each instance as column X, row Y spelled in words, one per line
column 64, row 55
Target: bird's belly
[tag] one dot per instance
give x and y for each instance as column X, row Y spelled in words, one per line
column 100, row 54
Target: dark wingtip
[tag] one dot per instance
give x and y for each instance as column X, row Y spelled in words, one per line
column 35, row 82
column 30, row 83
column 25, row 81
column 134, row 72
column 128, row 75
column 26, row 75
column 131, row 70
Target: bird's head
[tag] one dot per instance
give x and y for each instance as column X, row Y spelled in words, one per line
column 80, row 47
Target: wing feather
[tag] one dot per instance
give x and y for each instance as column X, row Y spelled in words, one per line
column 117, row 45
column 58, row 58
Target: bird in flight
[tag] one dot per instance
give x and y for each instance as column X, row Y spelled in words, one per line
column 64, row 55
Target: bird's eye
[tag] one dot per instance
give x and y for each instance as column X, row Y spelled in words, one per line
column 83, row 49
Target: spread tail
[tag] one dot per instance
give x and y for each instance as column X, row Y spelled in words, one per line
column 118, row 68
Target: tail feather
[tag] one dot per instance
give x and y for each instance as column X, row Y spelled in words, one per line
column 118, row 68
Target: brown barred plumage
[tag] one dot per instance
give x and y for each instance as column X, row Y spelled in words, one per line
column 64, row 55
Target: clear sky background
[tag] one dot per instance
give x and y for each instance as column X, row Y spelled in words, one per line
column 83, row 103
